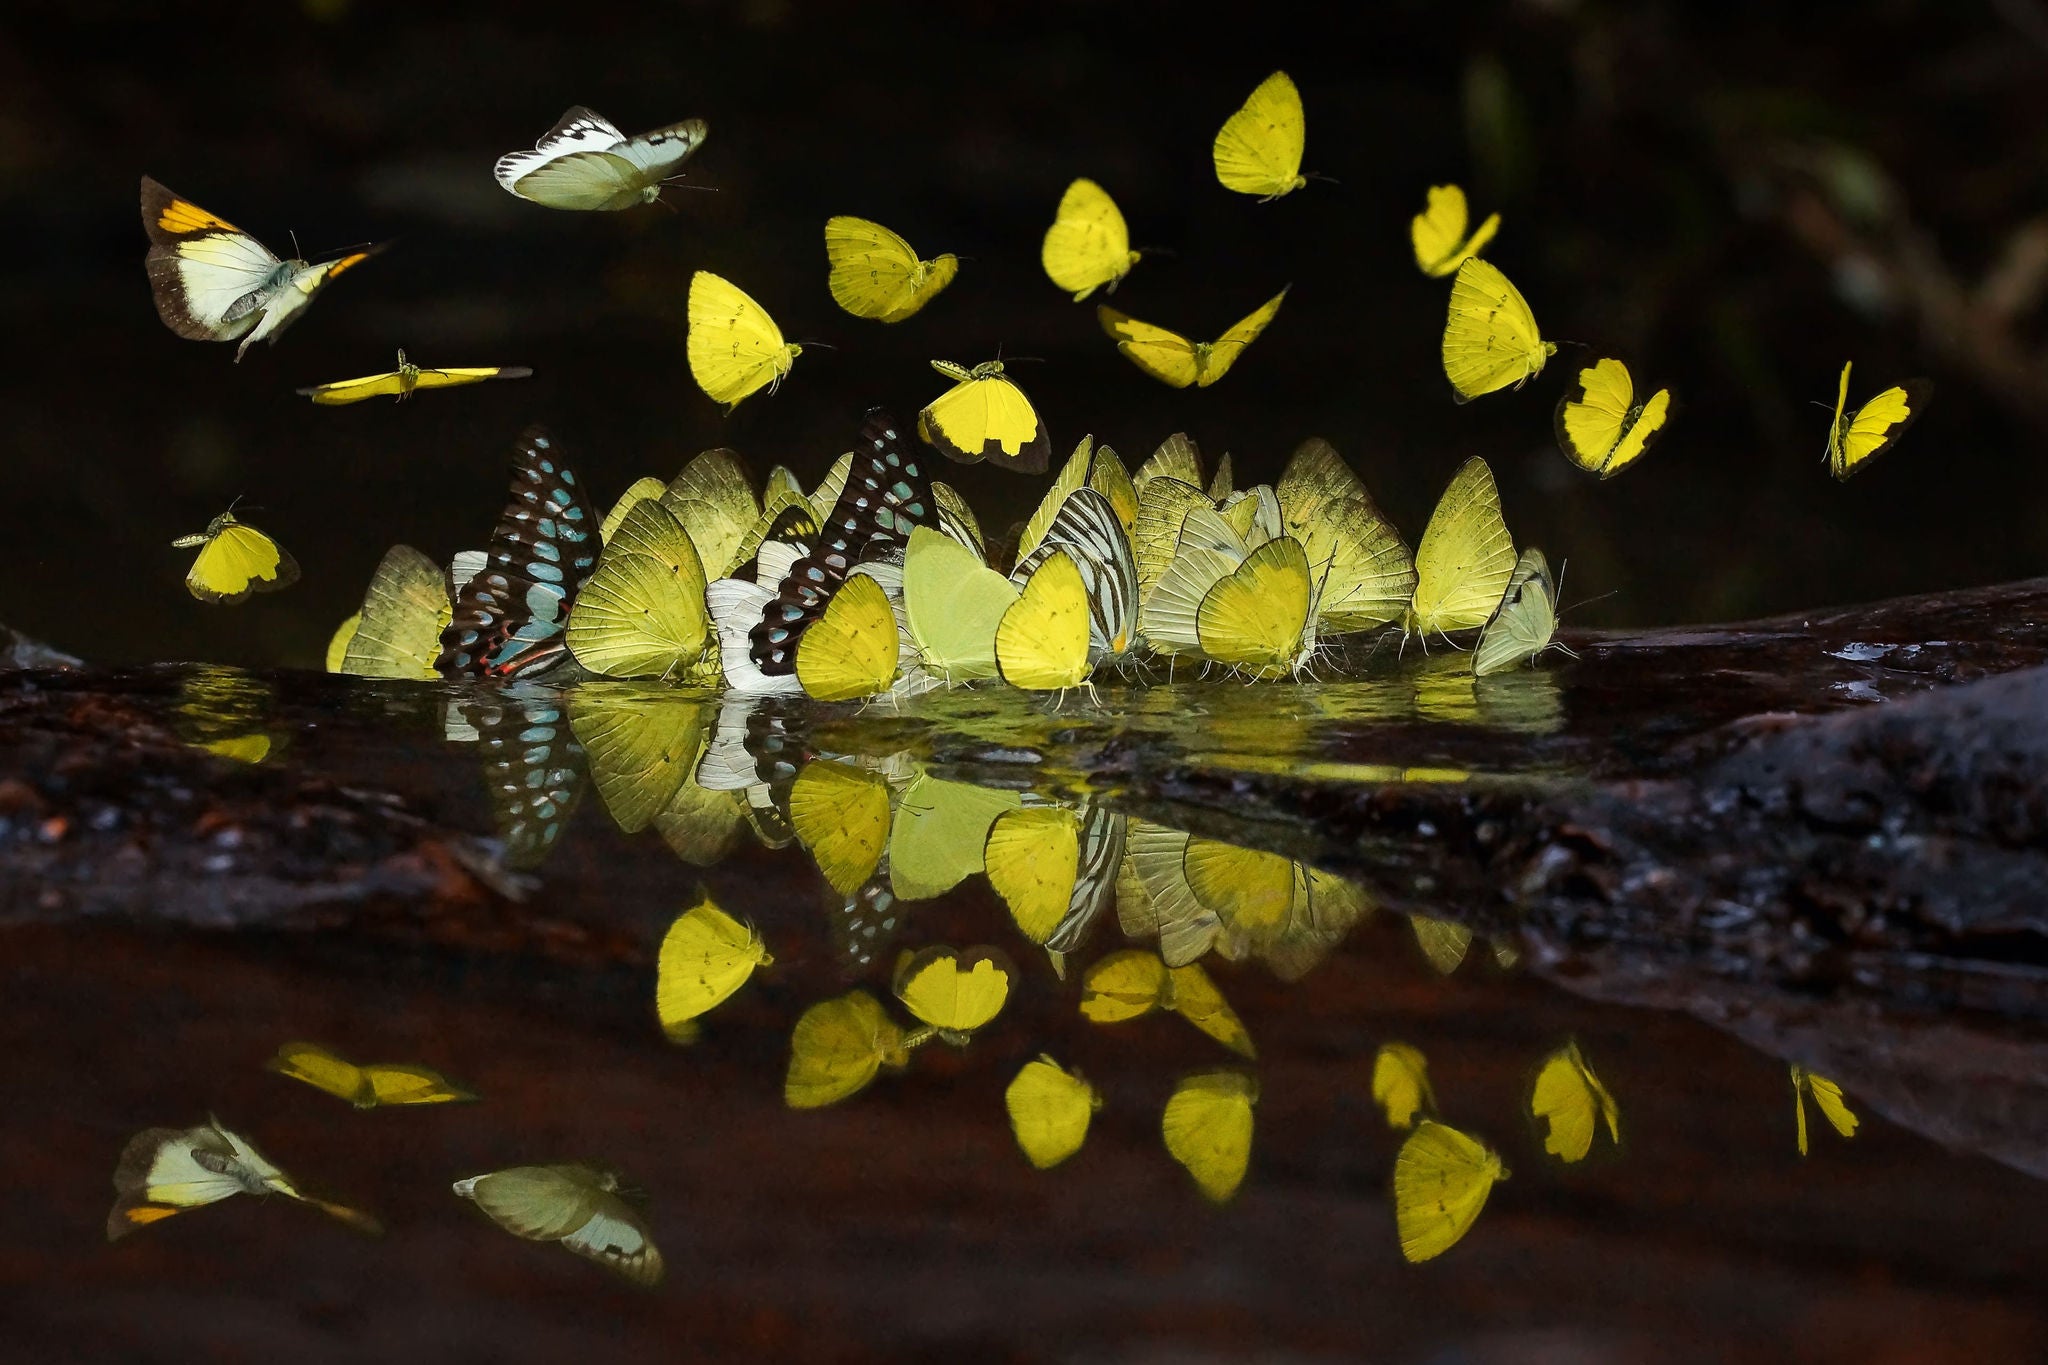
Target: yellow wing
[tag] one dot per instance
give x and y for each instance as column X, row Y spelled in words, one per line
column 1032, row 857
column 837, row 1047
column 1600, row 427
column 640, row 491
column 390, row 384
column 456, row 376
column 938, row 834
column 643, row 749
column 397, row 1085
column 1441, row 1180
column 1466, row 557
column 1165, row 355
column 1527, row 619
column 1108, row 476
column 1854, row 442
column 1175, row 458
column 1087, row 246
column 1438, row 232
column 1490, row 337
column 642, row 612
column 851, row 650
column 1124, row 985
column 1443, row 942
column 1164, row 505
column 1258, row 618
column 956, row 993
column 735, row 348
column 1570, row 1100
column 713, row 497
column 337, row 643
column 1365, row 573
column 404, row 613
column 1223, row 352
column 1258, row 149
column 321, row 1069
column 985, row 416
column 1194, row 997
column 1207, row 1127
column 876, row 274
column 1042, row 643
column 705, row 956
column 1400, row 1084
column 1071, row 479
column 1049, row 1111
column 953, row 603
column 1827, row 1096
column 235, row 560
column 841, row 815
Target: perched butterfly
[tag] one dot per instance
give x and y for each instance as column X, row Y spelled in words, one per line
column 837, row 1048
column 1260, row 619
column 735, row 348
column 953, row 991
column 1164, row 506
column 235, row 559
column 1400, row 1084
column 642, row 612
column 398, row 632
column 1465, row 559
column 705, row 956
column 165, row 1171
column 366, row 1087
column 1855, row 440
column 1050, row 1108
column 1438, row 232
column 588, row 1209
column 1177, row 457
column 953, row 603
column 1827, row 1097
column 876, row 274
column 1527, row 618
column 583, row 162
column 1207, row 550
column 841, row 815
column 509, row 620
column 939, row 833
column 1600, row 426
column 1088, row 530
column 214, row 282
column 401, row 382
column 1258, row 149
column 1570, row 1100
column 853, row 649
column 1173, row 359
column 637, row 492
column 714, row 500
column 1041, row 643
column 1208, row 1129
column 1490, row 337
column 1441, row 1180
column 985, row 416
column 1080, row 471
column 1367, row 572
column 1087, row 247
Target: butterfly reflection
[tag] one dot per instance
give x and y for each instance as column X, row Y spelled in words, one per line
column 533, row 766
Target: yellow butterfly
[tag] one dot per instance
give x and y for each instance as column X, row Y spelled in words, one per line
column 643, row 748
column 1258, row 149
column 1131, row 983
column 876, row 274
column 1441, row 1180
column 1088, row 530
column 785, row 514
column 365, row 1087
column 1854, row 441
column 1164, row 505
column 397, row 634
column 836, row 1049
column 1438, row 232
column 638, row 492
column 985, row 416
column 1087, row 246
column 164, row 1172
column 1490, row 336
column 1367, row 572
column 1055, row 868
column 1173, row 359
column 1827, row 1097
column 1600, row 426
column 1049, row 1111
column 1400, row 1084
column 953, row 992
column 1465, row 559
column 851, row 651
column 841, row 815
column 1042, row 643
column 735, row 348
column 1443, row 942
column 1260, row 618
column 344, row 634
column 1177, row 457
column 1527, row 618
column 706, row 955
column 1570, row 1099
column 641, row 613
column 1284, row 911
column 938, row 835
column 953, row 603
column 1154, row 900
column 1208, row 1129
column 401, row 382
column 714, row 499
column 586, row 1208
column 235, row 560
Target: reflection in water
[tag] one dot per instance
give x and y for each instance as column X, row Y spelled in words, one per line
column 166, row 1171
column 1400, row 1084
column 533, row 766
column 1128, row 984
column 223, row 710
column 1207, row 1127
column 588, row 1209
column 837, row 1047
column 706, row 955
column 366, row 1087
column 1441, row 1180
column 1570, row 1100
column 954, row 993
column 1050, row 1109
column 1827, row 1097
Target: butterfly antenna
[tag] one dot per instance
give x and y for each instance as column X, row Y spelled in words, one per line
column 1318, row 175
column 293, row 234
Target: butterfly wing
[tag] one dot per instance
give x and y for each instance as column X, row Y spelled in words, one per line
column 1042, row 643
column 1491, row 340
column 836, row 1048
column 1258, row 149
column 1207, row 1127
column 1195, row 998
column 1877, row 425
column 714, row 500
column 1087, row 245
column 1438, row 232
column 1400, row 1084
column 1224, row 352
column 456, row 376
column 1050, row 1109
column 637, row 492
column 1466, row 556
column 643, row 751
column 1167, row 356
column 1164, row 505
column 953, row 992
column 841, row 815
column 986, row 417
column 1033, row 861
column 321, row 1069
column 1257, row 618
column 393, row 1084
column 705, row 956
column 1441, row 1180
column 642, row 612
column 236, row 561
column 210, row 279
column 734, row 346
column 1527, row 618
column 404, row 613
column 876, row 274
column 1564, row 1102
column 851, row 650
column 1443, row 942
column 954, row 603
column 345, row 391
column 1088, row 530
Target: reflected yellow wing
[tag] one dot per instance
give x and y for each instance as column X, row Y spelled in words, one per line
column 1438, row 232
column 1124, row 985
column 876, row 274
column 1441, row 1180
column 1827, row 1097
column 643, row 749
column 705, row 956
column 321, row 1069
column 1042, row 643
column 1049, row 1111
column 1194, row 997
column 1207, row 1127
column 1443, row 942
column 837, row 1047
column 1258, row 149
column 735, row 348
column 1400, row 1084
column 1466, row 557
column 1570, row 1100
column 1032, row 857
column 851, row 650
column 938, row 835
column 955, row 993
column 1491, row 340
column 1087, row 245
column 337, row 643
column 841, row 815
column 398, row 1085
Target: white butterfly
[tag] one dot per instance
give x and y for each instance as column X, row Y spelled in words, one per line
column 583, row 162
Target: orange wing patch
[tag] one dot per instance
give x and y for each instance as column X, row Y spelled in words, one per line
column 347, row 261
column 143, row 1214
column 181, row 218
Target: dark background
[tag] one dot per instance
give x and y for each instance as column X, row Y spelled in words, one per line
column 1734, row 198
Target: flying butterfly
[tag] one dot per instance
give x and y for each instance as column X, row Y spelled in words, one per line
column 735, row 348
column 588, row 1209
column 1526, row 620
column 398, row 631
column 1173, row 359
column 1258, row 149
column 1207, row 1127
column 1400, row 1084
column 1087, row 247
column 372, row 1086
column 953, row 603
column 1438, row 232
column 1572, row 1103
column 401, row 382
column 214, row 282
column 1854, row 440
column 1465, row 559
column 1600, row 426
column 837, row 1048
column 1827, row 1097
column 164, row 1172
column 1050, row 1108
column 705, row 956
column 954, row 992
column 583, row 162
column 1441, row 1180
column 985, row 416
column 235, row 559
column 509, row 620
column 642, row 613
column 876, row 274
column 1491, row 340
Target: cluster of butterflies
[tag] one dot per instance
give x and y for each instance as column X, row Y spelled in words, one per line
column 587, row 1208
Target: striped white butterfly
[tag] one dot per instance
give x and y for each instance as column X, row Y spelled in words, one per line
column 585, row 1208
column 583, row 162
column 1088, row 529
column 1102, row 854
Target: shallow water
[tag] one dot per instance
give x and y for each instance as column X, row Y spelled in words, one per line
column 903, row 1222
